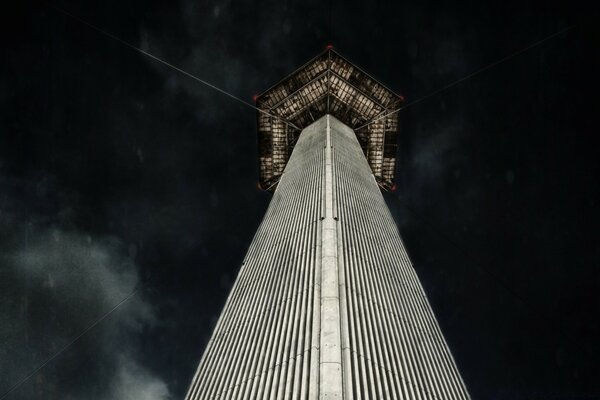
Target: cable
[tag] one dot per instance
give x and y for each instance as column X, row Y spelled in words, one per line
column 485, row 68
column 330, row 22
column 152, row 56
column 62, row 350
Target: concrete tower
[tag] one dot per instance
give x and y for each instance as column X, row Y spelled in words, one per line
column 327, row 304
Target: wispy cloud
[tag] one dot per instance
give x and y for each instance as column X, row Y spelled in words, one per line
column 54, row 285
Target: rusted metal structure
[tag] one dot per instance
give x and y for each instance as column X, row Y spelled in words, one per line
column 327, row 304
column 327, row 84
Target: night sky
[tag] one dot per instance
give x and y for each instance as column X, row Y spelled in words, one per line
column 118, row 172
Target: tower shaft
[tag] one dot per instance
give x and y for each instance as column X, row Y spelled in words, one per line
column 327, row 304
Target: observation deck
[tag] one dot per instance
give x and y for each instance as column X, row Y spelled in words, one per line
column 328, row 84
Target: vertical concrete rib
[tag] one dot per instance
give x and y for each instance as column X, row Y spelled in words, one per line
column 330, row 381
column 327, row 304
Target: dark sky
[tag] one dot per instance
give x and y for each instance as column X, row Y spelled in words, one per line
column 117, row 172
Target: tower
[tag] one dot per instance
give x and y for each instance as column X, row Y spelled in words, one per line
column 327, row 304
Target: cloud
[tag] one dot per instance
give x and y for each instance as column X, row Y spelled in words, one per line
column 133, row 382
column 55, row 284
column 436, row 155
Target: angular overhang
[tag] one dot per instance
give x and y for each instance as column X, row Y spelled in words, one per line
column 328, row 84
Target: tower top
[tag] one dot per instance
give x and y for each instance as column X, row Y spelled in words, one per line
column 327, row 84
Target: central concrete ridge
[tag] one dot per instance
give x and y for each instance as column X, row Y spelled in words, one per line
column 327, row 304
column 331, row 348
